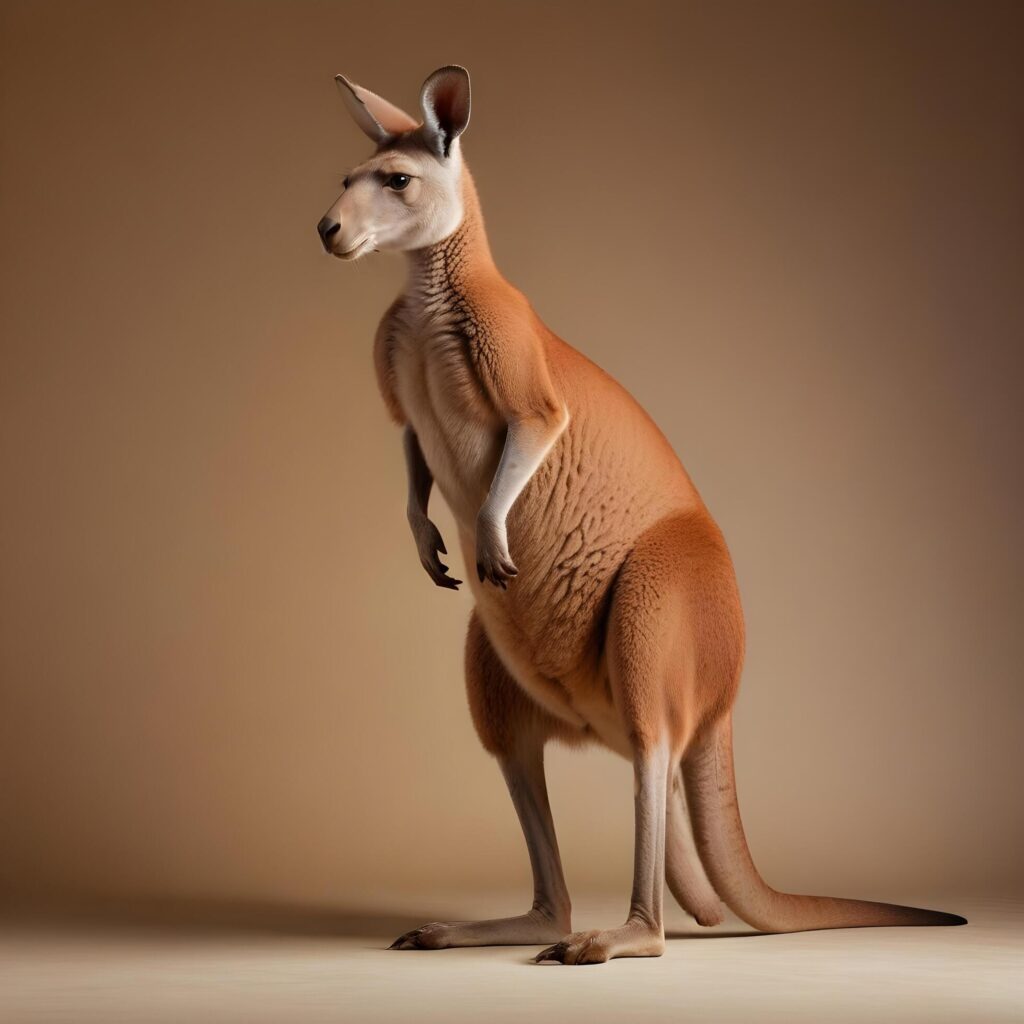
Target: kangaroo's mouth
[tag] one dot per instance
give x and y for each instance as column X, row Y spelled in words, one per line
column 359, row 249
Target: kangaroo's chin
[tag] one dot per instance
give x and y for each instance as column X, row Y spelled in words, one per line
column 367, row 245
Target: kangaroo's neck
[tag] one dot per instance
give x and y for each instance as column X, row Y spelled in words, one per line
column 449, row 271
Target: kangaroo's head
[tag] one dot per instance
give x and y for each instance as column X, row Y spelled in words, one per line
column 408, row 195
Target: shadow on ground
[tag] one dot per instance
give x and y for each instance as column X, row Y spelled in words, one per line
column 196, row 917
column 220, row 916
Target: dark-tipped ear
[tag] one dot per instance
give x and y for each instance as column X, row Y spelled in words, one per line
column 381, row 120
column 445, row 102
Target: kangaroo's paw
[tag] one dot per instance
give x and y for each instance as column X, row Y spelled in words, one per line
column 635, row 938
column 530, row 929
column 493, row 562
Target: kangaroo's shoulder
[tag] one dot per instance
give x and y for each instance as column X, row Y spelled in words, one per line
column 487, row 325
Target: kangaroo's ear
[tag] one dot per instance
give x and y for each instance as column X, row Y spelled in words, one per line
column 445, row 102
column 381, row 120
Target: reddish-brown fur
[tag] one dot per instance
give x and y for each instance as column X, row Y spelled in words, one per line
column 622, row 625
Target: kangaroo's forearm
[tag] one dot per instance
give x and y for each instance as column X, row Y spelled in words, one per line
column 527, row 444
column 424, row 532
column 420, row 479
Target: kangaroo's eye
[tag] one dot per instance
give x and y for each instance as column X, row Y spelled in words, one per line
column 346, row 182
column 398, row 181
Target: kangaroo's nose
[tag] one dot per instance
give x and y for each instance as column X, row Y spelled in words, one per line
column 327, row 229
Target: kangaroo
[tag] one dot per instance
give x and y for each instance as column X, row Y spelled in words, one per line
column 606, row 605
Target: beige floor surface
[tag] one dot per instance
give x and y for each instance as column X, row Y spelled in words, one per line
column 253, row 964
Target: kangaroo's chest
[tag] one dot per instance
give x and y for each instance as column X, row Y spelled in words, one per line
column 445, row 404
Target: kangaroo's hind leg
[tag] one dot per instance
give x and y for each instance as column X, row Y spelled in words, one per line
column 648, row 665
column 666, row 679
column 513, row 728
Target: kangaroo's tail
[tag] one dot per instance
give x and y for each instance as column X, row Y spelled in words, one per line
column 711, row 795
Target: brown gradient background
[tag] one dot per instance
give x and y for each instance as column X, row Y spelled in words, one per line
column 793, row 231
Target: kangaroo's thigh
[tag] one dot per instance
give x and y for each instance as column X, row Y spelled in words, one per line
column 505, row 716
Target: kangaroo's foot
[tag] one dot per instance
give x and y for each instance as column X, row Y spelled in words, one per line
column 532, row 929
column 634, row 938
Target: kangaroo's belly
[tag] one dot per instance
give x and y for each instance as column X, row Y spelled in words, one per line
column 569, row 531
